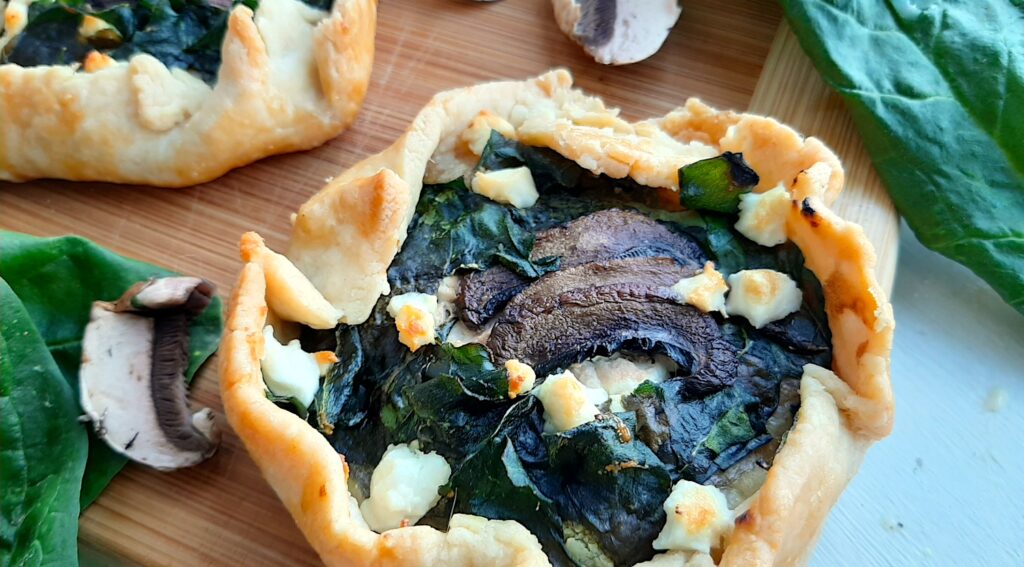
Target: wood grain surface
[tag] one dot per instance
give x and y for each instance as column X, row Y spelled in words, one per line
column 222, row 512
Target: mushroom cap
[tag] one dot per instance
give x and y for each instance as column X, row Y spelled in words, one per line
column 604, row 307
column 134, row 355
column 617, row 32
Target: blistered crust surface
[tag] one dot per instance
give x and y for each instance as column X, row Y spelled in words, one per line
column 291, row 78
column 839, row 416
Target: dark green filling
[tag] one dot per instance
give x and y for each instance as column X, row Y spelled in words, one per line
column 182, row 34
column 592, row 482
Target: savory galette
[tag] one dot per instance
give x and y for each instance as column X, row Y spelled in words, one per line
column 531, row 332
column 174, row 92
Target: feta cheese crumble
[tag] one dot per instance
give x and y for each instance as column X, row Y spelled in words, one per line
column 763, row 216
column 566, row 403
column 510, row 186
column 705, row 291
column 404, row 487
column 697, row 517
column 291, row 372
column 762, row 296
column 415, row 319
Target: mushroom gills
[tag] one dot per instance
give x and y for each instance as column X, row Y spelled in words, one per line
column 134, row 356
column 600, row 236
column 602, row 308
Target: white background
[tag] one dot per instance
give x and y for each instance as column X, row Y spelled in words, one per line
column 947, row 487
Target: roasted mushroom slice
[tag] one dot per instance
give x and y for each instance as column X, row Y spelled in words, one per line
column 602, row 308
column 134, row 356
column 600, row 236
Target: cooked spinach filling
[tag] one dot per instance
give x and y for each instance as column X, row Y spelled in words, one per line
column 603, row 483
column 182, row 34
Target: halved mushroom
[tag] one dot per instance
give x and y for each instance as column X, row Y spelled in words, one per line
column 604, row 307
column 134, row 356
column 617, row 32
column 600, row 236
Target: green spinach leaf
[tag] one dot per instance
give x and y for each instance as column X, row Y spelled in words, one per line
column 182, row 34
column 57, row 279
column 44, row 446
column 937, row 92
column 548, row 167
column 455, row 228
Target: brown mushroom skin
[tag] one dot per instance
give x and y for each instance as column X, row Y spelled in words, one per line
column 600, row 308
column 600, row 236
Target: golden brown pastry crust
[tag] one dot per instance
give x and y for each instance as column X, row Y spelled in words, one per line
column 839, row 416
column 291, row 78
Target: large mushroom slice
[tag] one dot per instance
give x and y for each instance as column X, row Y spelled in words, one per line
column 617, row 32
column 134, row 356
column 605, row 307
column 600, row 236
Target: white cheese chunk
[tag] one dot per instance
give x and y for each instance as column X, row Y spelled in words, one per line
column 404, row 487
column 566, row 403
column 15, row 15
column 447, row 292
column 763, row 216
column 705, row 291
column 762, row 296
column 521, row 377
column 291, row 372
column 618, row 376
column 91, row 25
column 479, row 131
column 415, row 318
column 697, row 517
column 510, row 186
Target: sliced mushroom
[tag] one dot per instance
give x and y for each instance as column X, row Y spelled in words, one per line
column 134, row 356
column 600, row 236
column 601, row 308
column 617, row 32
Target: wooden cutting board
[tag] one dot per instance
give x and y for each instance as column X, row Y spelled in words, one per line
column 733, row 54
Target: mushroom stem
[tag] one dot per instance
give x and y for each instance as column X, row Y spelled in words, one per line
column 134, row 358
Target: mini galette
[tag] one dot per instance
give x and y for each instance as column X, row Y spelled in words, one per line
column 174, row 92
column 532, row 332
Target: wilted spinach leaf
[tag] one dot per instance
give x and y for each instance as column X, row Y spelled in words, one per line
column 44, row 446
column 937, row 92
column 548, row 167
column 57, row 279
column 455, row 228
column 182, row 34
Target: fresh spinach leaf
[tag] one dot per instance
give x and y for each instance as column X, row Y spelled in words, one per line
column 44, row 446
column 57, row 279
column 937, row 92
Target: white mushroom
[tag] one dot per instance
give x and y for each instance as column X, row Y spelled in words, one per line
column 617, row 32
column 134, row 356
